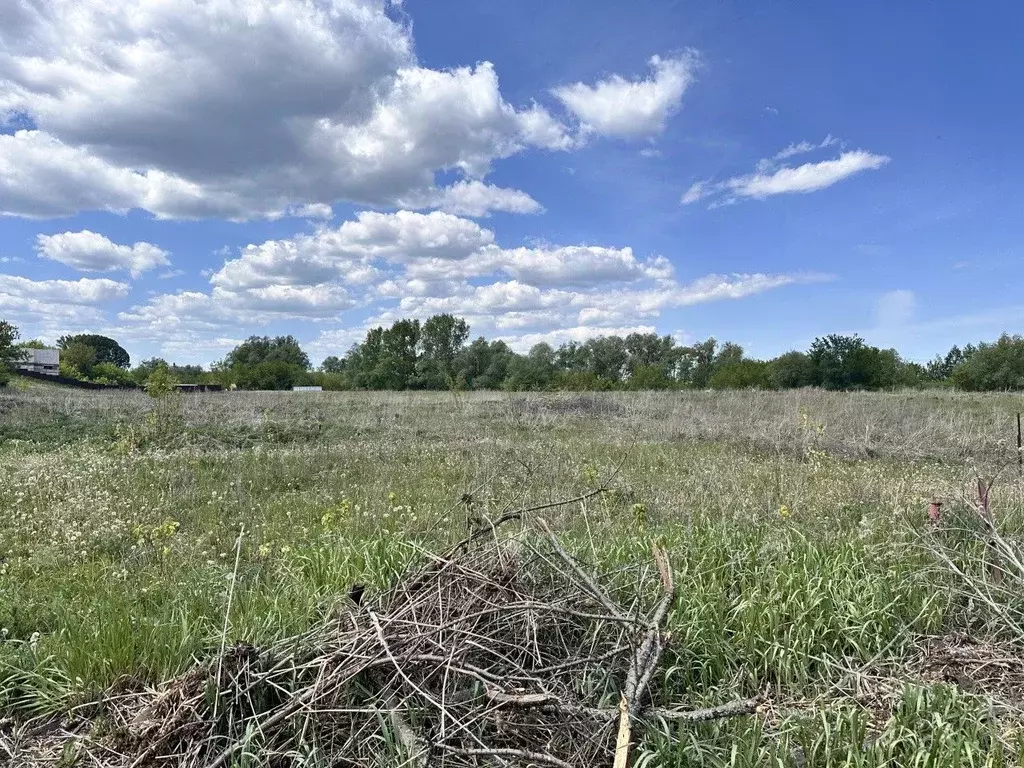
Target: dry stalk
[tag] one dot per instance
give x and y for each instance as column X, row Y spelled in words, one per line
column 498, row 652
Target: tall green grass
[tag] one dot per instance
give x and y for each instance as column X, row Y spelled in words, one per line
column 797, row 544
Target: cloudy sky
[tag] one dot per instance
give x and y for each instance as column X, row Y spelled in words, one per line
column 181, row 174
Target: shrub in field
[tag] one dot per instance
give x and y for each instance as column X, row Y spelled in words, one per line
column 77, row 360
column 160, row 383
column 742, row 374
column 108, row 373
column 993, row 367
column 791, row 370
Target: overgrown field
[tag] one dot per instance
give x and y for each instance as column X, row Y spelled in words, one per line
column 796, row 523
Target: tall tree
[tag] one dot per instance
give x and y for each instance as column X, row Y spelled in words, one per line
column 107, row 349
column 698, row 363
column 333, row 364
column 648, row 350
column 362, row 359
column 261, row 362
column 533, row 371
column 572, row 356
column 264, row 349
column 607, row 357
column 442, row 338
column 9, row 352
column 483, row 364
column 395, row 367
column 942, row 367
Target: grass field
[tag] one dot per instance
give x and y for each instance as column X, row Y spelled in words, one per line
column 796, row 523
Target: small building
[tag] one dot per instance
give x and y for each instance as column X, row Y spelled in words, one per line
column 40, row 361
column 307, row 389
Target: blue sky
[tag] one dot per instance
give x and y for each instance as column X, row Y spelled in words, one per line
column 180, row 175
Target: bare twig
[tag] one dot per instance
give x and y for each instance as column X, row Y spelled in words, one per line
column 521, row 754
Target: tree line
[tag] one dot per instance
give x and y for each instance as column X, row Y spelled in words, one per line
column 438, row 355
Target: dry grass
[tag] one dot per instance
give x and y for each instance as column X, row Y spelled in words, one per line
column 795, row 524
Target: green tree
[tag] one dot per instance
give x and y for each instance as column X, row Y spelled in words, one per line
column 648, row 350
column 942, row 366
column 442, row 338
column 697, row 363
column 728, row 354
column 483, row 364
column 533, row 371
column 846, row 362
column 650, row 376
column 105, row 348
column 270, row 374
column 791, row 371
column 840, row 362
column 396, row 365
column 993, row 367
column 263, row 349
column 741, row 374
column 77, row 360
column 572, row 356
column 9, row 352
column 362, row 359
column 333, row 364
column 108, row 373
column 607, row 357
column 145, row 369
column 262, row 362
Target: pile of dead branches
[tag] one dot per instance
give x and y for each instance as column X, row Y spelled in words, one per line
column 501, row 652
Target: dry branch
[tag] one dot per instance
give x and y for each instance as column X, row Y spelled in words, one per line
column 503, row 654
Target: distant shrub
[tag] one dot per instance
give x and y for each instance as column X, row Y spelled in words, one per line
column 77, row 360
column 160, row 383
column 791, row 370
column 646, row 377
column 108, row 373
column 742, row 374
column 992, row 367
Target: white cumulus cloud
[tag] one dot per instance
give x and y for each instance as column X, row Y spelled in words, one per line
column 625, row 108
column 477, row 199
column 244, row 108
column 48, row 306
column 411, row 264
column 91, row 252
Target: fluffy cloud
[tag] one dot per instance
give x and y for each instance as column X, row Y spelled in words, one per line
column 347, row 253
column 410, row 264
column 244, row 108
column 90, row 252
column 475, row 198
column 44, row 303
column 770, row 180
column 513, row 304
column 631, row 108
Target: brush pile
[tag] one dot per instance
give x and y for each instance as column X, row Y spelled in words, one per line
column 501, row 652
